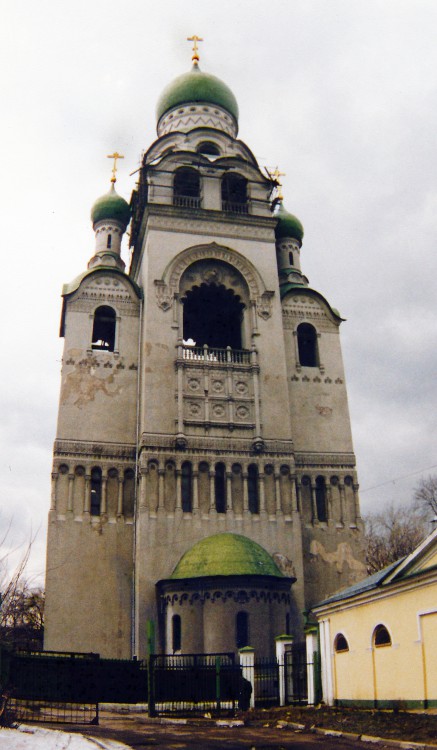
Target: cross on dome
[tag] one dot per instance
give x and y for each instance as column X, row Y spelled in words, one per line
column 195, row 39
column 114, row 156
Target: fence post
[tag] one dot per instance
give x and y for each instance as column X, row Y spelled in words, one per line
column 217, row 683
column 282, row 642
column 247, row 664
column 312, row 649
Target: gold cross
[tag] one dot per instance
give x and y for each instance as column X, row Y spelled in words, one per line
column 276, row 175
column 195, row 39
column 114, row 156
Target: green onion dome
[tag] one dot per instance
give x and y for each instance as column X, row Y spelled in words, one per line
column 226, row 555
column 288, row 225
column 196, row 86
column 111, row 206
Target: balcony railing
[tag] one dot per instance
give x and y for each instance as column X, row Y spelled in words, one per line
column 186, row 201
column 235, row 208
column 211, row 354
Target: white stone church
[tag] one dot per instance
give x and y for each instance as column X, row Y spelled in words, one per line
column 203, row 474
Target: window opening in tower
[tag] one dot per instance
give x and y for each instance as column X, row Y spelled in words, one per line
column 186, row 188
column 307, row 345
column 104, row 329
column 213, row 315
column 234, row 194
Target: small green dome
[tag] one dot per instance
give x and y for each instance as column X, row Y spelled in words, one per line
column 225, row 555
column 288, row 225
column 196, row 86
column 111, row 206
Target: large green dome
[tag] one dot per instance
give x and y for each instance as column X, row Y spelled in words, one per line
column 225, row 555
column 197, row 86
column 111, row 206
column 288, row 225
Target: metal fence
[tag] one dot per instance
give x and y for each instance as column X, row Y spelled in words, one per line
column 206, row 683
column 67, row 687
column 266, row 682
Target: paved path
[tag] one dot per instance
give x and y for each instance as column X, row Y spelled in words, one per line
column 141, row 734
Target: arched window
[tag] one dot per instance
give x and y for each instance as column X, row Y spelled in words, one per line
column 208, row 148
column 176, row 633
column 321, row 499
column 186, row 487
column 252, row 488
column 242, row 629
column 381, row 636
column 186, row 188
column 96, row 491
column 290, row 258
column 234, row 194
column 340, row 643
column 213, row 316
column 104, row 329
column 109, row 241
column 220, row 488
column 307, row 345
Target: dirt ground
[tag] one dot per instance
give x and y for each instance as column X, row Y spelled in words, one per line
column 401, row 725
column 265, row 729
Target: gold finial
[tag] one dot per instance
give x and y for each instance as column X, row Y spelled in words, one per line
column 114, row 156
column 275, row 175
column 195, row 39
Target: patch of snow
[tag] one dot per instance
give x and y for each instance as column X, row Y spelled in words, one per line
column 38, row 738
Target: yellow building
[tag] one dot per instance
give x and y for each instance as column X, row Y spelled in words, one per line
column 378, row 638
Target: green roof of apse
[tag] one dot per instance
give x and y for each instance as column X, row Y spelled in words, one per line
column 196, row 86
column 225, row 555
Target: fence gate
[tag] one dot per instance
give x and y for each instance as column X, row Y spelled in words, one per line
column 266, row 682
column 296, row 679
column 193, row 682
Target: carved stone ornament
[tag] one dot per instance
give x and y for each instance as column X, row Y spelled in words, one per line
column 168, row 285
column 164, row 297
column 264, row 305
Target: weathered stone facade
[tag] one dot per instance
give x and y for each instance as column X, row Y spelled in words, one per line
column 193, row 402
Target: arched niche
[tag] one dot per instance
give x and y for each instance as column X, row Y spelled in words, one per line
column 241, row 272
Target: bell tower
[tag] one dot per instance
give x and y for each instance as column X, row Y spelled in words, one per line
column 203, row 407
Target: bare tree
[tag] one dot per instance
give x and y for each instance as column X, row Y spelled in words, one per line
column 392, row 534
column 425, row 496
column 21, row 606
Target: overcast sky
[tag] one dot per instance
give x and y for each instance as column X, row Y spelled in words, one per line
column 340, row 94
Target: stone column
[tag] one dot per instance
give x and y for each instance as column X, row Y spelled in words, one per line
column 103, row 501
column 87, row 498
column 53, row 491
column 262, row 493
column 355, row 488
column 282, row 644
column 161, row 488
column 212, row 508
column 312, row 647
column 314, row 517
column 293, row 493
column 342, row 499
column 70, row 494
column 245, row 492
column 196, row 490
column 120, row 495
column 247, row 664
column 178, row 471
column 278, row 503
column 143, row 483
column 229, row 500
